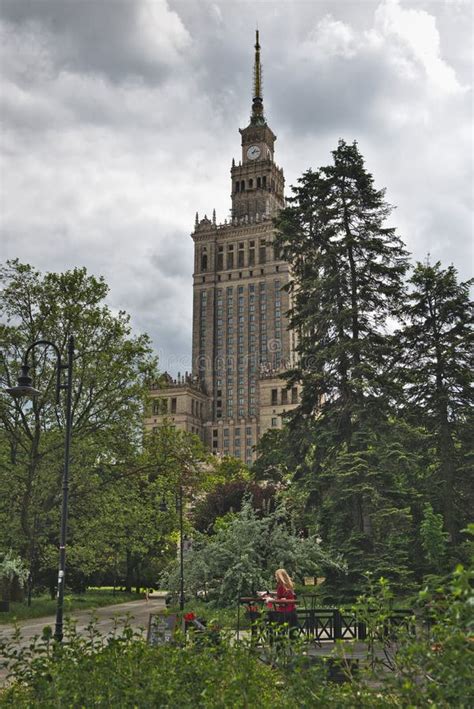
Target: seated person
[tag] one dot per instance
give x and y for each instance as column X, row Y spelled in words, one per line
column 285, row 612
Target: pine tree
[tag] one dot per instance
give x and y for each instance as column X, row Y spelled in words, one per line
column 437, row 372
column 348, row 270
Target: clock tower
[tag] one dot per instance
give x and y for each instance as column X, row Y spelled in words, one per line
column 257, row 182
column 241, row 341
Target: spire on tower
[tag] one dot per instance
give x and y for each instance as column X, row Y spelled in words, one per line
column 257, row 116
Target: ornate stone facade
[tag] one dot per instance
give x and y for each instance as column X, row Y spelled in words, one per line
column 241, row 343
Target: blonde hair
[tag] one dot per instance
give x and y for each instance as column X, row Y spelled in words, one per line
column 282, row 577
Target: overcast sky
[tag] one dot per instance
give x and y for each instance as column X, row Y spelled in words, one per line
column 120, row 120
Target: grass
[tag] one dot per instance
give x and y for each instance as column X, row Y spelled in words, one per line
column 43, row 605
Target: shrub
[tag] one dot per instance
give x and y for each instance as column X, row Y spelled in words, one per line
column 243, row 554
column 433, row 667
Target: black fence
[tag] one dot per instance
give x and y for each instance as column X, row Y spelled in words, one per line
column 318, row 624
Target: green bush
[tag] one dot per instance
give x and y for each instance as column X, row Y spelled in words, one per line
column 431, row 667
column 243, row 554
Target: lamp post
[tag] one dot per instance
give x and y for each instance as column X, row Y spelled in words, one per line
column 179, row 507
column 25, row 388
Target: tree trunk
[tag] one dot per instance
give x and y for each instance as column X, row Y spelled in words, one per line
column 129, row 572
column 137, row 579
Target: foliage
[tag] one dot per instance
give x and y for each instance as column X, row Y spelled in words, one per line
column 347, row 269
column 431, row 664
column 383, row 427
column 12, row 568
column 243, row 554
column 436, row 368
column 433, row 538
column 111, row 370
column 228, row 497
column 277, row 457
column 432, row 667
column 117, row 478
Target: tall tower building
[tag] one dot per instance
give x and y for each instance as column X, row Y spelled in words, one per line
column 241, row 343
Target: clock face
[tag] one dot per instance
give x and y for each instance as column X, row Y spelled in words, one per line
column 253, row 152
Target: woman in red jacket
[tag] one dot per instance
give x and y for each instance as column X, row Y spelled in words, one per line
column 285, row 592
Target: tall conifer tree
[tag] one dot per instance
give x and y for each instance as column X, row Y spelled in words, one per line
column 348, row 270
column 437, row 373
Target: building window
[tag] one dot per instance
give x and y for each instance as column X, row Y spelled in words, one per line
column 264, row 182
column 262, row 252
column 173, row 405
column 294, row 395
column 242, row 186
column 284, row 396
column 220, row 258
column 274, row 397
column 259, row 182
column 237, row 186
column 230, row 256
column 274, row 422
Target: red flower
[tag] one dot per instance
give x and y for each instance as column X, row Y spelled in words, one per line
column 189, row 617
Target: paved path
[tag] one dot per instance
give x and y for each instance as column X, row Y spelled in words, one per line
column 139, row 612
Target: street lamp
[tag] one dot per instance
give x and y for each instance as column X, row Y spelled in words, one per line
column 179, row 507
column 25, row 388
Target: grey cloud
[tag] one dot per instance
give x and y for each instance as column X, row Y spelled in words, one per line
column 114, row 134
column 102, row 37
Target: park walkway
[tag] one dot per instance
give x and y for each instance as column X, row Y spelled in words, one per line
column 138, row 611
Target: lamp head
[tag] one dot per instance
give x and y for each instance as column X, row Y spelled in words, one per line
column 24, row 387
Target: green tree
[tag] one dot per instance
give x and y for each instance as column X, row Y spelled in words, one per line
column 120, row 532
column 433, row 538
column 228, row 497
column 243, row 554
column 347, row 284
column 436, row 371
column 112, row 369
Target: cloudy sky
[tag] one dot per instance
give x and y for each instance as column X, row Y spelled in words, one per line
column 120, row 119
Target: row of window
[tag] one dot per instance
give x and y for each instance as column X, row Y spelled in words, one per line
column 260, row 183
column 241, row 413
column 225, row 432
column 232, row 257
column 286, row 396
column 163, row 406
column 202, row 328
